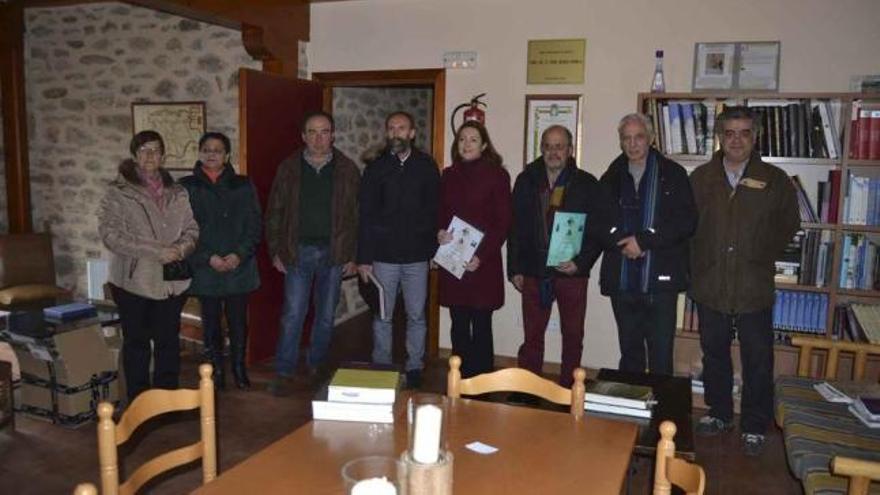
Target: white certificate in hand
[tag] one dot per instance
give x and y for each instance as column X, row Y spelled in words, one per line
column 454, row 255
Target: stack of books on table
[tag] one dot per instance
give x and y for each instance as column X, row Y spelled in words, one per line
column 363, row 395
column 619, row 398
column 867, row 409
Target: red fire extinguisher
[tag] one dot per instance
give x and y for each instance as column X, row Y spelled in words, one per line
column 473, row 112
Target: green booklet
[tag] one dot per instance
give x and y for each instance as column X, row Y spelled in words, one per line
column 566, row 237
column 359, row 385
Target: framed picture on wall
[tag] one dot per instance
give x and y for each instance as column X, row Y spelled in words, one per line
column 180, row 124
column 543, row 111
column 742, row 66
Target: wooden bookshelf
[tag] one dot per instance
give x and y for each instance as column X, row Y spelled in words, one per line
column 836, row 294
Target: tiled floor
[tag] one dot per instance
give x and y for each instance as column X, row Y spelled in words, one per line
column 40, row 458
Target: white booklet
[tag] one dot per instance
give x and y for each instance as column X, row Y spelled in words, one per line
column 381, row 292
column 454, row 255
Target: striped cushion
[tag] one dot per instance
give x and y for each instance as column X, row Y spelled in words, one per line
column 815, row 431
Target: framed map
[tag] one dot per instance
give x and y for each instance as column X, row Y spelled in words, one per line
column 180, row 124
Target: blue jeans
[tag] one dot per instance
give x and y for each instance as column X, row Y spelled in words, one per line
column 313, row 263
column 412, row 278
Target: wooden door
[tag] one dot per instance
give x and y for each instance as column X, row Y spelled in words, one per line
column 271, row 108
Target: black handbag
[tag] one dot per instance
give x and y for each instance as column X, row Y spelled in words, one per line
column 177, row 270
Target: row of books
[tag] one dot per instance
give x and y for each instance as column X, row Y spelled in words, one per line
column 807, row 259
column 857, row 322
column 798, row 128
column 800, row 312
column 687, row 318
column 864, row 142
column 789, row 128
column 862, row 200
column 859, row 262
column 363, row 395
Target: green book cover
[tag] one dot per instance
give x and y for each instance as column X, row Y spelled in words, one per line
column 566, row 237
column 345, row 377
column 619, row 394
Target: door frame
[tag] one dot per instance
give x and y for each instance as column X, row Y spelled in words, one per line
column 436, row 78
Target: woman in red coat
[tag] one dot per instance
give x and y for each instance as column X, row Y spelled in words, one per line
column 476, row 189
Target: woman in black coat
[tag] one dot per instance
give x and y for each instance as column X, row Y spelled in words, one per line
column 224, row 265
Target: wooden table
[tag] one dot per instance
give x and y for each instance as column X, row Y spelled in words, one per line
column 540, row 451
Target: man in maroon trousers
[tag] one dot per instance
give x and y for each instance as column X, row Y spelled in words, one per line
column 552, row 183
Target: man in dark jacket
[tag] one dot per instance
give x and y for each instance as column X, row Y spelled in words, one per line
column 549, row 184
column 650, row 215
column 748, row 213
column 311, row 229
column 398, row 236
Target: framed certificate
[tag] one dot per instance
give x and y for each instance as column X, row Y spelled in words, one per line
column 543, row 111
column 743, row 66
column 180, row 124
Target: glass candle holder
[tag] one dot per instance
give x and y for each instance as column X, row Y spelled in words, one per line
column 374, row 475
column 427, row 426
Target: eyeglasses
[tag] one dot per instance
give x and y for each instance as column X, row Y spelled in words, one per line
column 742, row 133
column 554, row 147
column 146, row 150
column 218, row 151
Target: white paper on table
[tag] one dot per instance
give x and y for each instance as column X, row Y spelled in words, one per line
column 481, row 448
column 454, row 255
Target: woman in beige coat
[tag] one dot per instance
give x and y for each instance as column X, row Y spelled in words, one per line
column 145, row 220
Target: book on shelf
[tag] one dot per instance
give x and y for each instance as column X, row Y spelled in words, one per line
column 618, row 410
column 864, row 143
column 324, row 409
column 364, row 386
column 859, row 261
column 861, row 201
column 800, row 312
column 619, row 394
column 686, row 316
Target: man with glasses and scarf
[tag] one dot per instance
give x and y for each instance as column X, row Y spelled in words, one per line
column 649, row 217
column 551, row 183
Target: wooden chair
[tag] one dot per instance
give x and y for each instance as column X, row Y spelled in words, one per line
column 85, row 489
column 669, row 470
column 517, row 380
column 860, row 350
column 146, row 406
column 860, row 472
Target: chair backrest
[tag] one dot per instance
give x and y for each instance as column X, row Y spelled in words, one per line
column 26, row 259
column 146, row 406
column 517, row 380
column 85, row 489
column 861, row 351
column 860, row 473
column 670, row 471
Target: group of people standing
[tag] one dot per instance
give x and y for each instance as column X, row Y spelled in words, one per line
column 715, row 234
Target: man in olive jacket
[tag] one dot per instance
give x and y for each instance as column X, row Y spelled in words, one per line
column 748, row 212
column 311, row 231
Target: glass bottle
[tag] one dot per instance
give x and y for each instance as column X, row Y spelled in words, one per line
column 658, row 84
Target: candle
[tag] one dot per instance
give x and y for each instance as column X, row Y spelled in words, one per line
column 426, row 442
column 374, row 486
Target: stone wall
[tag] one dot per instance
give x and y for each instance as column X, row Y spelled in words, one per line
column 85, row 65
column 360, row 117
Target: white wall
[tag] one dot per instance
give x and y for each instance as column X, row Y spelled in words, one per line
column 823, row 43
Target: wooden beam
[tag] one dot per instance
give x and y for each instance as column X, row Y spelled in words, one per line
column 15, row 141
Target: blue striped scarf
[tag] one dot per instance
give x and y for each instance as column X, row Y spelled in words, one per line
column 637, row 218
